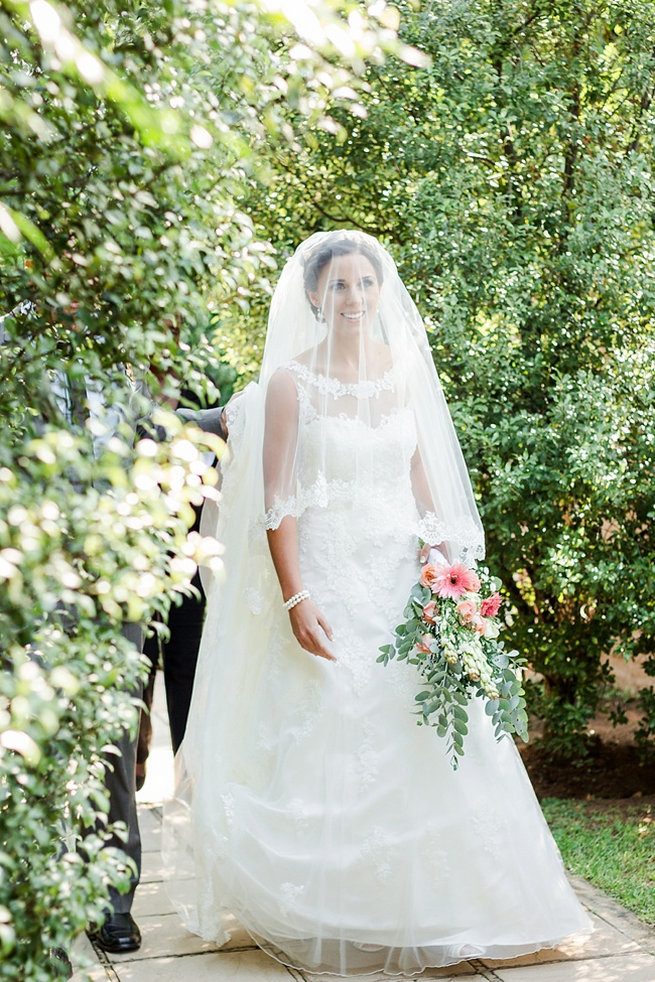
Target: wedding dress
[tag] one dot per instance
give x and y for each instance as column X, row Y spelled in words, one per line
column 310, row 806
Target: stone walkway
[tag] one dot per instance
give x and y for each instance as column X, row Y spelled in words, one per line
column 622, row 948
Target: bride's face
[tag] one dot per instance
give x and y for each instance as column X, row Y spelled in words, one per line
column 348, row 293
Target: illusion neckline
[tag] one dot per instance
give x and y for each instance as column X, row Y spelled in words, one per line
column 335, row 386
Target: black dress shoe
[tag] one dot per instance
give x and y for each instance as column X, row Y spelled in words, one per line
column 118, row 934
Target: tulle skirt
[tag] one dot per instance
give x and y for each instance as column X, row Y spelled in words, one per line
column 312, row 807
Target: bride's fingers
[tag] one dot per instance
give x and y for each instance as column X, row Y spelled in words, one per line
column 309, row 631
column 326, row 630
column 313, row 643
column 424, row 553
column 317, row 644
column 324, row 624
column 322, row 652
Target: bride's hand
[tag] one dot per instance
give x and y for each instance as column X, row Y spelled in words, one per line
column 432, row 554
column 424, row 552
column 310, row 629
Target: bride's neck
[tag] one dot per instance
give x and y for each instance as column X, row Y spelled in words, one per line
column 345, row 354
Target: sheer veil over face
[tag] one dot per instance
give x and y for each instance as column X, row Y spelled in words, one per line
column 346, row 346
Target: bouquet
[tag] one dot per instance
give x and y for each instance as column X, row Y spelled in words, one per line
column 451, row 635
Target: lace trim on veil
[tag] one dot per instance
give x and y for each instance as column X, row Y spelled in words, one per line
column 319, row 495
column 462, row 537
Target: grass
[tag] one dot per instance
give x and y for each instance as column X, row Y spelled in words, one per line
column 611, row 844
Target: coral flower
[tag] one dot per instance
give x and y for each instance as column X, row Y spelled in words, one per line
column 478, row 624
column 428, row 612
column 489, row 606
column 429, row 574
column 466, row 610
column 424, row 644
column 454, row 581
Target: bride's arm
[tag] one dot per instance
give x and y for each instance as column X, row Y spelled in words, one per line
column 308, row 624
column 420, row 486
column 424, row 501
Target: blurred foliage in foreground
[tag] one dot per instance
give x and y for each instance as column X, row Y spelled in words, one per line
column 130, row 131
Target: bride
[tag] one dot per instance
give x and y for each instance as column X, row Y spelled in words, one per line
column 309, row 805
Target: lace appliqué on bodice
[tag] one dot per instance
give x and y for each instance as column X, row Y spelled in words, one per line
column 342, row 458
column 365, row 389
column 355, row 449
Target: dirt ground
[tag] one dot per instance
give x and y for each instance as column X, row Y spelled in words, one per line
column 613, row 770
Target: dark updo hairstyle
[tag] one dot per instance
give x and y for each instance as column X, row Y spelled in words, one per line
column 322, row 254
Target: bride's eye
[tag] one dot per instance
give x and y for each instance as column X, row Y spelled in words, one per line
column 368, row 282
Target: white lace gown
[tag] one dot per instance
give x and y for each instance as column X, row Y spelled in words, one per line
column 336, row 831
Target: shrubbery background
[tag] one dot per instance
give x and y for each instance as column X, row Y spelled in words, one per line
column 513, row 181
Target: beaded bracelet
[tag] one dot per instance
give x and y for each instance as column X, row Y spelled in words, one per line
column 296, row 599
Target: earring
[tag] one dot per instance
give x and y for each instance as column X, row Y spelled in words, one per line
column 319, row 314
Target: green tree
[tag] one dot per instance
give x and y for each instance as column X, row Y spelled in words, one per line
column 512, row 179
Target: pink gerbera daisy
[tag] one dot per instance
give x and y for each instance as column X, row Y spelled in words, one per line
column 454, row 581
column 489, row 606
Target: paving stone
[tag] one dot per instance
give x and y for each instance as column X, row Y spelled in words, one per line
column 151, row 899
column 460, row 973
column 244, row 966
column 162, row 936
column 99, row 973
column 632, row 967
column 151, row 843
column 86, row 962
column 152, row 867
column 82, row 949
column 239, row 937
column 150, row 820
column 605, row 940
column 613, row 913
column 158, row 785
column 464, row 972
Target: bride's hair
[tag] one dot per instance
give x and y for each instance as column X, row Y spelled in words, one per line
column 337, row 244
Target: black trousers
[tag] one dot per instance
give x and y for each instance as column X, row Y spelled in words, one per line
column 179, row 657
column 120, row 783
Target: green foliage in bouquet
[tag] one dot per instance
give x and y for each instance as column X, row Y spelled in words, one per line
column 451, row 636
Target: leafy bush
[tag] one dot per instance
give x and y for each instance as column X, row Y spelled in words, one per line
column 130, row 131
column 75, row 561
column 512, row 180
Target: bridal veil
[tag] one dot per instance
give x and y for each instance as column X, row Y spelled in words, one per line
column 308, row 803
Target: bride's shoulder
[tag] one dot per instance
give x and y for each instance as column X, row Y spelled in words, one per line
column 281, row 386
column 307, row 369
column 282, row 379
column 286, row 378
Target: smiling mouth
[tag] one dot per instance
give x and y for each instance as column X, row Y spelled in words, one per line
column 354, row 317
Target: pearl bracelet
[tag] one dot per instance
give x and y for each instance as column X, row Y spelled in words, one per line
column 296, row 599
